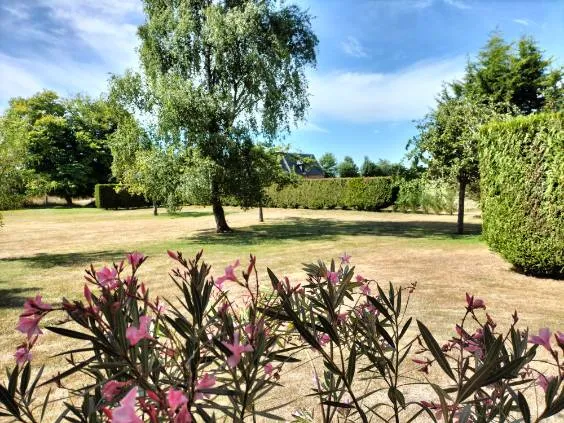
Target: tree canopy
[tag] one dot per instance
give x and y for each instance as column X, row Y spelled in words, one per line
column 347, row 168
column 218, row 74
column 328, row 163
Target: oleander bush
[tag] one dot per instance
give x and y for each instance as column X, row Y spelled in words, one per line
column 113, row 196
column 522, row 188
column 211, row 355
column 347, row 193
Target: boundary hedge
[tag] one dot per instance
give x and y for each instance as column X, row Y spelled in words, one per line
column 107, row 197
column 522, row 185
column 347, row 193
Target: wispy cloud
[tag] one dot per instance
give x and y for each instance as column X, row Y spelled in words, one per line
column 359, row 97
column 66, row 45
column 524, row 22
column 312, row 127
column 352, row 47
column 459, row 4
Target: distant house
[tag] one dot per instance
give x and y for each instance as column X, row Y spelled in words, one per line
column 305, row 165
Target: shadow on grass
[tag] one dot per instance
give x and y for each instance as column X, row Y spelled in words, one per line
column 45, row 261
column 318, row 229
column 15, row 297
column 183, row 214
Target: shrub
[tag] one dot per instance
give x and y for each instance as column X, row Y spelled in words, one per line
column 113, row 196
column 208, row 355
column 522, row 191
column 438, row 196
column 356, row 193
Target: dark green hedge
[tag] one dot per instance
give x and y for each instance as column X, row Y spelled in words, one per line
column 351, row 193
column 522, row 185
column 107, row 198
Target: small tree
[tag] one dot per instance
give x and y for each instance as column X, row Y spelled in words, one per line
column 448, row 143
column 328, row 163
column 347, row 168
column 369, row 168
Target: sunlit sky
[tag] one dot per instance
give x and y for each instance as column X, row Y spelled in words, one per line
column 380, row 63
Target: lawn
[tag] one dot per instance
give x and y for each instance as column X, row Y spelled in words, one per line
column 45, row 251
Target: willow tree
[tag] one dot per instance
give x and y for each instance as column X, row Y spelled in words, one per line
column 213, row 69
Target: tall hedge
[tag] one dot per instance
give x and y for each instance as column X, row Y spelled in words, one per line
column 353, row 193
column 522, row 185
column 107, row 197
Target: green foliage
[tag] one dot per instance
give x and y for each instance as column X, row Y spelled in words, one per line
column 328, row 163
column 354, row 193
column 347, row 168
column 53, row 145
column 522, row 187
column 113, row 196
column 218, row 75
column 381, row 168
column 515, row 74
column 435, row 196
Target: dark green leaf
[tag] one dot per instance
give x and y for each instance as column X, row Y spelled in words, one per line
column 435, row 349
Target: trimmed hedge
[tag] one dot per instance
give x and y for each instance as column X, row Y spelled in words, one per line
column 354, row 193
column 522, row 185
column 107, row 197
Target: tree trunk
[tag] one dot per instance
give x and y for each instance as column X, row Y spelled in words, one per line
column 68, row 199
column 155, row 211
column 221, row 225
column 261, row 216
column 46, row 200
column 461, row 194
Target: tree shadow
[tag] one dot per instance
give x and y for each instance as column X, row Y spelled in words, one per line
column 183, row 214
column 15, row 297
column 46, row 261
column 299, row 228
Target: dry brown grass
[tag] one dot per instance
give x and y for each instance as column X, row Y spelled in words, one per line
column 45, row 251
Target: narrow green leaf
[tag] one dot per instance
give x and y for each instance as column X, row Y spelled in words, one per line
column 524, row 407
column 435, row 349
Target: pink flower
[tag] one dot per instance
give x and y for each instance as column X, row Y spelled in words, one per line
column 360, row 278
column 29, row 325
column 333, row 277
column 135, row 259
column 134, row 335
column 229, row 275
column 172, row 254
column 22, row 355
column 107, row 278
column 175, row 399
column 544, row 381
column 365, row 289
column 268, row 367
column 324, row 339
column 125, row 413
column 543, row 338
column 87, row 294
column 111, row 389
column 474, row 303
column 345, row 258
column 236, row 350
column 341, row 317
column 34, row 306
column 425, row 363
column 183, row 415
column 206, row 382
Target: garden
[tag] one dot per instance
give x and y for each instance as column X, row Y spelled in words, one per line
column 187, row 276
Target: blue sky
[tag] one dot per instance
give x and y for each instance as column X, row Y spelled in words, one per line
column 380, row 63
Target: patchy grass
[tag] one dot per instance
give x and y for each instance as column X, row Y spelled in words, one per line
column 45, row 251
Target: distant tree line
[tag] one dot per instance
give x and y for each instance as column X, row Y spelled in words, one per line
column 348, row 168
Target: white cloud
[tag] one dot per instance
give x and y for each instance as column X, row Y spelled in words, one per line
column 16, row 81
column 358, row 97
column 312, row 127
column 459, row 4
column 352, row 47
column 524, row 22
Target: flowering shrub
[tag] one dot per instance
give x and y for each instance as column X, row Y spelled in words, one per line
column 208, row 356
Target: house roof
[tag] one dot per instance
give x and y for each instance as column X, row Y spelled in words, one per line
column 302, row 164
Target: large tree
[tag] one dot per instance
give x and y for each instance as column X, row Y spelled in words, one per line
column 513, row 73
column 328, row 163
column 216, row 73
column 348, row 168
column 61, row 143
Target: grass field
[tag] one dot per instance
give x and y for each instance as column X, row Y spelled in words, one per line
column 45, row 251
